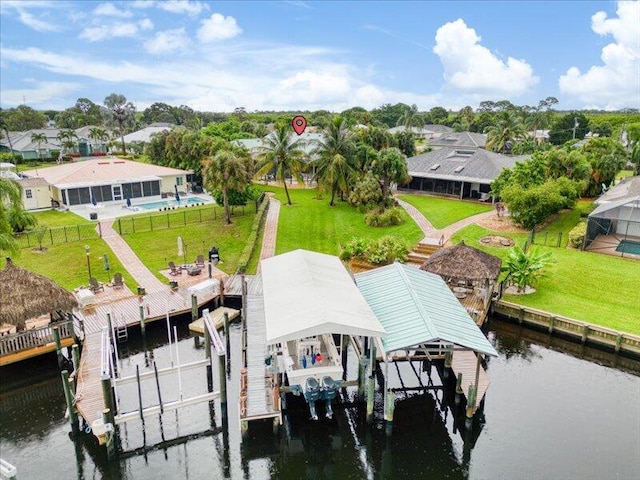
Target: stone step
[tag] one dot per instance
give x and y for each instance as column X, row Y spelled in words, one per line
column 426, row 249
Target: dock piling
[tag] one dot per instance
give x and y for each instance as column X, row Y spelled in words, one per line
column 370, row 397
column 56, row 339
column 194, row 307
column 458, row 388
column 142, row 325
column 68, row 396
column 155, row 371
column 107, row 396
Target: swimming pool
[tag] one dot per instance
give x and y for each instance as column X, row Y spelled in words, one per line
column 170, row 203
column 628, row 246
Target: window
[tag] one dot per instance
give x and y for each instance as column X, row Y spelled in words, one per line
column 28, row 193
column 435, row 166
column 179, row 181
column 459, row 169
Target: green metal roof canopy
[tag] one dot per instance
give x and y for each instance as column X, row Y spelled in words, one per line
column 417, row 307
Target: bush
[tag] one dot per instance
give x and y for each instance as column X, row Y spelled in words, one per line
column 384, row 218
column 252, row 192
column 576, row 235
column 387, row 250
column 354, row 248
column 366, row 193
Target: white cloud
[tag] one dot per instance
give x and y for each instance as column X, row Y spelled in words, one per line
column 218, row 27
column 616, row 83
column 146, row 24
column 49, row 93
column 167, row 42
column 103, row 32
column 472, row 68
column 143, row 3
column 310, row 88
column 110, row 10
column 22, row 9
column 183, row 6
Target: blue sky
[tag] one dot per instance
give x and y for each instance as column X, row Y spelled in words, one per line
column 308, row 55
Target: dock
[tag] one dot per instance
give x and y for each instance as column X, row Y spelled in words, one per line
column 262, row 397
column 465, row 362
column 218, row 319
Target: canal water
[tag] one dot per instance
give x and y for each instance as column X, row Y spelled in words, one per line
column 554, row 410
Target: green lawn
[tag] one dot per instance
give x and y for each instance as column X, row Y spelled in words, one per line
column 54, row 218
column 156, row 249
column 563, row 223
column 66, row 263
column 591, row 287
column 442, row 212
column 313, row 225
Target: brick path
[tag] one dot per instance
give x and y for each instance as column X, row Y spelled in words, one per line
column 430, row 231
column 129, row 259
column 270, row 230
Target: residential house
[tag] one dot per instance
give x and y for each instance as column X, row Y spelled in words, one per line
column 466, row 140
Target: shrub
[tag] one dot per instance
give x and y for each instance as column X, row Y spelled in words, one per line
column 354, row 248
column 366, row 193
column 576, row 235
column 383, row 218
column 387, row 250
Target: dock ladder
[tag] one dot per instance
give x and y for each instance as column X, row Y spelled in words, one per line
column 121, row 333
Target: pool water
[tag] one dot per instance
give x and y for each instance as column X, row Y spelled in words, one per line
column 629, row 246
column 173, row 203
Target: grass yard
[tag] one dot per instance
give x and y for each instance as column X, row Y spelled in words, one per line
column 66, row 263
column 591, row 287
column 563, row 223
column 54, row 218
column 156, row 249
column 313, row 225
column 442, row 212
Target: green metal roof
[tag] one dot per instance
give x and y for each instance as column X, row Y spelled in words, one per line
column 417, row 307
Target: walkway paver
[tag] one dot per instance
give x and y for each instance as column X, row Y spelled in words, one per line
column 418, row 217
column 129, row 259
column 270, row 230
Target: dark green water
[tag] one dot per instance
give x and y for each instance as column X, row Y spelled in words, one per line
column 554, row 410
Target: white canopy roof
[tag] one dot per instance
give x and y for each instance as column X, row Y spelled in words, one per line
column 308, row 293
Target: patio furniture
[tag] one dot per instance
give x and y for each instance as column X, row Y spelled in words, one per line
column 200, row 261
column 194, row 270
column 173, row 270
column 95, row 286
column 85, row 297
column 117, row 281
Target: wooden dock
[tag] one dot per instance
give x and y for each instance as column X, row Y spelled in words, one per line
column 465, row 362
column 262, row 395
column 217, row 316
column 89, row 402
column 233, row 285
column 33, row 342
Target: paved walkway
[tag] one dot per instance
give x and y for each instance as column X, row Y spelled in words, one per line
column 129, row 259
column 270, row 230
column 430, row 231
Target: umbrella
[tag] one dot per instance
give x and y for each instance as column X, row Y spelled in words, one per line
column 93, row 198
column 180, row 246
column 128, row 202
column 105, row 259
column 177, row 194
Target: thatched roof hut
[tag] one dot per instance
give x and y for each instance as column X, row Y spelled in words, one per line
column 463, row 263
column 25, row 295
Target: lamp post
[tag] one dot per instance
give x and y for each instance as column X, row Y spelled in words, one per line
column 86, row 250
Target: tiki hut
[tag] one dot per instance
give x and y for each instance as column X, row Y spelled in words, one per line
column 464, row 264
column 25, row 295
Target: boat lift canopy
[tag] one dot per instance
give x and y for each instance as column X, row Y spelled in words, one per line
column 416, row 307
column 308, row 293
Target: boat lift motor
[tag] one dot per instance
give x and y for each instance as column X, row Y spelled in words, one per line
column 311, row 395
column 329, row 392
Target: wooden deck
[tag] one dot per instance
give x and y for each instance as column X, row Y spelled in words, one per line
column 233, row 285
column 260, row 397
column 89, row 402
column 218, row 319
column 465, row 361
column 30, row 343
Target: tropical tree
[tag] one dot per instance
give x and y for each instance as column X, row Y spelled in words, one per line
column 39, row 139
column 567, row 127
column 4, row 126
column 227, row 170
column 19, row 218
column 98, row 135
column 389, row 167
column 607, row 157
column 334, row 165
column 282, row 153
column 10, row 197
column 411, row 118
column 525, row 268
column 507, row 129
column 120, row 114
column 67, row 139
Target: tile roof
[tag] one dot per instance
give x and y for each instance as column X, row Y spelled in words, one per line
column 100, row 172
column 478, row 165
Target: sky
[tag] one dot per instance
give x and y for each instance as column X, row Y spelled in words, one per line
column 311, row 55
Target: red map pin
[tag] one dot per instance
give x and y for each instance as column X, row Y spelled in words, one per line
column 299, row 123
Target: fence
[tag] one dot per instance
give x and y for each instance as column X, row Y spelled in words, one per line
column 173, row 219
column 57, row 235
column 34, row 338
column 547, row 239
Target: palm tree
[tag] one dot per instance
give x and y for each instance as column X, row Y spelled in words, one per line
column 227, row 170
column 334, row 154
column 98, row 135
column 39, row 138
column 390, row 167
column 411, row 118
column 525, row 268
column 5, row 128
column 282, row 153
column 66, row 138
column 507, row 128
column 120, row 114
column 10, row 198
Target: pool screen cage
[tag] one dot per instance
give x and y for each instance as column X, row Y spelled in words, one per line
column 613, row 222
